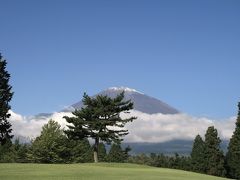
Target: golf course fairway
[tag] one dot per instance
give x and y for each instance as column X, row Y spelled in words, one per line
column 91, row 171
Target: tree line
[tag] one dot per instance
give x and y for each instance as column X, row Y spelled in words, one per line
column 53, row 146
column 100, row 120
column 206, row 156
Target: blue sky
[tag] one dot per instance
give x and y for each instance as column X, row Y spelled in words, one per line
column 186, row 53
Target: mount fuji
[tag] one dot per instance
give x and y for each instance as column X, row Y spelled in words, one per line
column 142, row 102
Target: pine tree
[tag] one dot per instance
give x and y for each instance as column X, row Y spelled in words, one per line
column 102, row 153
column 198, row 155
column 79, row 151
column 100, row 119
column 50, row 145
column 233, row 154
column 126, row 152
column 7, row 152
column 5, row 97
column 214, row 158
column 116, row 153
column 20, row 151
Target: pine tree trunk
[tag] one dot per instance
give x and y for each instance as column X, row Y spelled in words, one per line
column 95, row 155
column 95, row 151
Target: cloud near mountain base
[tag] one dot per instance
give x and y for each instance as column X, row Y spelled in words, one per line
column 146, row 128
column 162, row 127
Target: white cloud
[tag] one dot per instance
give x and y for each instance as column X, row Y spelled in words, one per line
column 147, row 128
column 31, row 126
column 161, row 127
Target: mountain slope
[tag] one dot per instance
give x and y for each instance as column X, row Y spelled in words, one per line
column 142, row 102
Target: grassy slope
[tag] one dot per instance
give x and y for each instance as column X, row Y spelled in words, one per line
column 101, row 171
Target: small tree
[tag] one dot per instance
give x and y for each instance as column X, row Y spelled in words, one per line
column 5, row 97
column 7, row 152
column 79, row 151
column 21, row 151
column 233, row 154
column 117, row 154
column 48, row 147
column 198, row 155
column 102, row 153
column 214, row 160
column 100, row 119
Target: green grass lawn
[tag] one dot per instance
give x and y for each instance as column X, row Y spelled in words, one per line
column 101, row 171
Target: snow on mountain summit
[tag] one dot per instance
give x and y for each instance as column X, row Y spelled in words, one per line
column 125, row 89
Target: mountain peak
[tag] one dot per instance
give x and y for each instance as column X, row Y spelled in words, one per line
column 142, row 102
column 125, row 89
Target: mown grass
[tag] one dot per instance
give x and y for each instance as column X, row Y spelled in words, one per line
column 100, row 171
